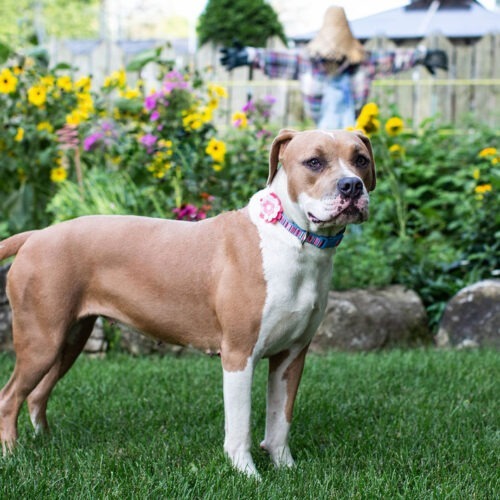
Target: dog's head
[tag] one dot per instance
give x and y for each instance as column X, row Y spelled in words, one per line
column 328, row 174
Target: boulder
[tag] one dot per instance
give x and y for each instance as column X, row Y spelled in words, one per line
column 367, row 319
column 472, row 317
column 97, row 344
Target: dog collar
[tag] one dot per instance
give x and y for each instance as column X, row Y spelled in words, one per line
column 272, row 212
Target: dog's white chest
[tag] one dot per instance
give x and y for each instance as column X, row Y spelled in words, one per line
column 298, row 279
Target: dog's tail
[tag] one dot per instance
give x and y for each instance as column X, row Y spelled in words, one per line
column 11, row 246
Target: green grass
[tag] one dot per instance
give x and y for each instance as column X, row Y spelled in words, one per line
column 397, row 424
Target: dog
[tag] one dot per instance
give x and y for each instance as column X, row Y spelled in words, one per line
column 246, row 284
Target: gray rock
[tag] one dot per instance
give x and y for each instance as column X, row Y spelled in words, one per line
column 367, row 319
column 97, row 342
column 472, row 317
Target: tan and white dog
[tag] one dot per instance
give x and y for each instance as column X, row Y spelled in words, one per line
column 247, row 284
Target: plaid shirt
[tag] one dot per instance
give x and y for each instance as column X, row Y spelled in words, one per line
column 313, row 74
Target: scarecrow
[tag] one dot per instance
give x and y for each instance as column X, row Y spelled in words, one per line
column 334, row 69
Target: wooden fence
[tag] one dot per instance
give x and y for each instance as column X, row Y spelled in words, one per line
column 470, row 86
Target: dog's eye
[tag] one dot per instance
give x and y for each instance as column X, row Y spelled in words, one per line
column 314, row 164
column 362, row 161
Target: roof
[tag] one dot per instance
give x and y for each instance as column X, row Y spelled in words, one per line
column 453, row 19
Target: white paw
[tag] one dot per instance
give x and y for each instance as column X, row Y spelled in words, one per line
column 280, row 455
column 242, row 461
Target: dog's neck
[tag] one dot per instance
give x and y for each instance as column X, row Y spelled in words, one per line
column 293, row 211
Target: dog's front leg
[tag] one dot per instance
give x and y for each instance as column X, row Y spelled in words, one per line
column 285, row 371
column 237, row 409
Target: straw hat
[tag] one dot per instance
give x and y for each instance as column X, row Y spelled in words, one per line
column 335, row 40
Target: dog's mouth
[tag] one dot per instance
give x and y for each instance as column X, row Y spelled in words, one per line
column 350, row 213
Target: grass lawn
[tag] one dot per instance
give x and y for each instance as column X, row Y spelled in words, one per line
column 399, row 424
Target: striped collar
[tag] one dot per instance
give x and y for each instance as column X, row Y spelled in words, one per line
column 271, row 211
column 306, row 237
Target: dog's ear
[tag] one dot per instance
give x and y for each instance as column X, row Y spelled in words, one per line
column 277, row 149
column 372, row 179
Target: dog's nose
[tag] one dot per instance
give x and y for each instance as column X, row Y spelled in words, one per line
column 350, row 187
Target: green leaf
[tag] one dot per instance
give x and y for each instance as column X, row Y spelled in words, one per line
column 5, row 52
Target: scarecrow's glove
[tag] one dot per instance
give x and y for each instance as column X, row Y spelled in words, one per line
column 433, row 59
column 237, row 55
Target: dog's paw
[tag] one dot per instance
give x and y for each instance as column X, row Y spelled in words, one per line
column 280, row 455
column 243, row 462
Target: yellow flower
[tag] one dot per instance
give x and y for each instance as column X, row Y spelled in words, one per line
column 370, row 109
column 396, row 150
column 192, row 121
column 37, row 95
column 487, row 152
column 64, row 83
column 217, row 90
column 482, row 188
column 8, row 82
column 367, row 120
column 116, row 79
column 58, row 174
column 19, row 134
column 476, row 174
column 83, row 83
column 217, row 167
column 394, row 126
column 85, row 103
column 213, row 103
column 239, row 119
column 45, row 126
column 216, row 149
column 206, row 114
column 76, row 117
column 130, row 93
column 47, row 81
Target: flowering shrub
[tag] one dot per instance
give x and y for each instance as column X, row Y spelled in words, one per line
column 166, row 142
column 35, row 104
column 436, row 217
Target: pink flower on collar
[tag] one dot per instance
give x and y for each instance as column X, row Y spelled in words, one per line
column 270, row 208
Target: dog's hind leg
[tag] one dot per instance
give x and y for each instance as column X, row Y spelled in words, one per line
column 73, row 346
column 37, row 349
column 285, row 371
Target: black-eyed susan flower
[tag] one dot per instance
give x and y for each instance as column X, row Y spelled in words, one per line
column 8, row 81
column 394, row 126
column 216, row 149
column 37, row 95
column 58, row 174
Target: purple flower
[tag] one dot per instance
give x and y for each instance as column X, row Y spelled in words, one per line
column 248, row 107
column 150, row 101
column 148, row 140
column 263, row 134
column 154, row 116
column 91, row 141
column 191, row 212
column 174, row 80
column 269, row 99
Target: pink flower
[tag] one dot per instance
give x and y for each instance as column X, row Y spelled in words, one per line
column 150, row 101
column 189, row 212
column 148, row 140
column 91, row 141
column 154, row 116
column 270, row 208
